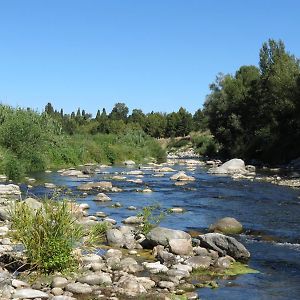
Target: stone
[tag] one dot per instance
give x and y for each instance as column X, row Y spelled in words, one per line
column 101, row 185
column 115, row 237
column 9, row 190
column 29, row 294
column 19, row 284
column 223, row 262
column 166, row 285
column 181, row 246
column 72, row 173
column 162, row 235
column 200, row 251
column 57, row 291
column 129, row 163
column 91, row 258
column 146, row 282
column 131, row 207
column 131, row 286
column 96, row 279
column 224, row 245
column 33, row 204
column 4, row 214
column 181, row 176
column 155, row 267
column 113, row 253
column 176, row 210
column 49, row 185
column 135, row 172
column 199, row 262
column 233, row 166
column 59, row 282
column 227, row 226
column 63, row 297
column 102, row 198
column 130, row 265
column 79, row 288
column 147, row 190
column 165, row 170
column 133, row 220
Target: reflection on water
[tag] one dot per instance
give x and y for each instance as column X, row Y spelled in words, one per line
column 270, row 215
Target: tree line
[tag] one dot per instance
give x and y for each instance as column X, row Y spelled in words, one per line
column 252, row 114
column 155, row 124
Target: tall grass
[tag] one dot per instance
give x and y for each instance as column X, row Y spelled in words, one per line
column 48, row 234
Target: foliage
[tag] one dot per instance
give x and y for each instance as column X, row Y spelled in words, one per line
column 255, row 113
column 152, row 216
column 204, row 144
column 48, row 234
column 96, row 234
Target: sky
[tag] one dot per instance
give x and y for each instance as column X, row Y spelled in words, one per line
column 154, row 55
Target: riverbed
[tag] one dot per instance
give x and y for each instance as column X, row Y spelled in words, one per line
column 269, row 213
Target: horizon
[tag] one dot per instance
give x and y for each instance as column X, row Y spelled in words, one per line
column 155, row 57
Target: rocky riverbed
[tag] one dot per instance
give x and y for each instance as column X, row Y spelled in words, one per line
column 165, row 263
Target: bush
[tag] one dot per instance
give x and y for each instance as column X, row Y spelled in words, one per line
column 204, row 144
column 48, row 234
column 152, row 216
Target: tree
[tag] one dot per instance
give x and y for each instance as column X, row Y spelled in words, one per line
column 119, row 112
column 49, row 109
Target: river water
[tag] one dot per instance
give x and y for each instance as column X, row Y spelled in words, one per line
column 270, row 215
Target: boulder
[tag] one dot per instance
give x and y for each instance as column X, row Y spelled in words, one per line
column 79, row 288
column 227, row 226
column 59, row 282
column 233, row 166
column 9, row 190
column 224, row 245
column 96, row 279
column 33, row 204
column 115, row 237
column 162, row 236
column 131, row 286
column 4, row 213
column 181, row 246
column 102, row 198
column 199, row 262
column 72, row 173
column 181, row 176
column 29, row 294
column 101, row 185
column 155, row 267
column 133, row 220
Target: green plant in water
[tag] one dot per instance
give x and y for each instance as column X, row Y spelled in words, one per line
column 96, row 234
column 152, row 216
column 48, row 234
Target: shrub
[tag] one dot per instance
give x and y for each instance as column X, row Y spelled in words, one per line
column 96, row 234
column 48, row 234
column 152, row 216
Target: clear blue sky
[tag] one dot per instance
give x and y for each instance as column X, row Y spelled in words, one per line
column 154, row 55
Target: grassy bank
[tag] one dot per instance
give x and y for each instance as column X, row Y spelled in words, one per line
column 30, row 141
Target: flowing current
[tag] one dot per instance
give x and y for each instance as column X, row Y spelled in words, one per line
column 270, row 215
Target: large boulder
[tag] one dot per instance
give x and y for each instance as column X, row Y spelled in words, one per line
column 227, row 226
column 162, row 236
column 115, row 237
column 181, row 246
column 224, row 245
column 233, row 166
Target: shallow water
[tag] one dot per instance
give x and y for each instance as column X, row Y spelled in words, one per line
column 270, row 215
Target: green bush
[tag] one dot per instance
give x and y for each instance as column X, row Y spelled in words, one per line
column 152, row 216
column 48, row 234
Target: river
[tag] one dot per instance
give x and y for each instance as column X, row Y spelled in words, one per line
column 270, row 215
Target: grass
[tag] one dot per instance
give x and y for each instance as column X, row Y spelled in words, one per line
column 235, row 269
column 48, row 234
